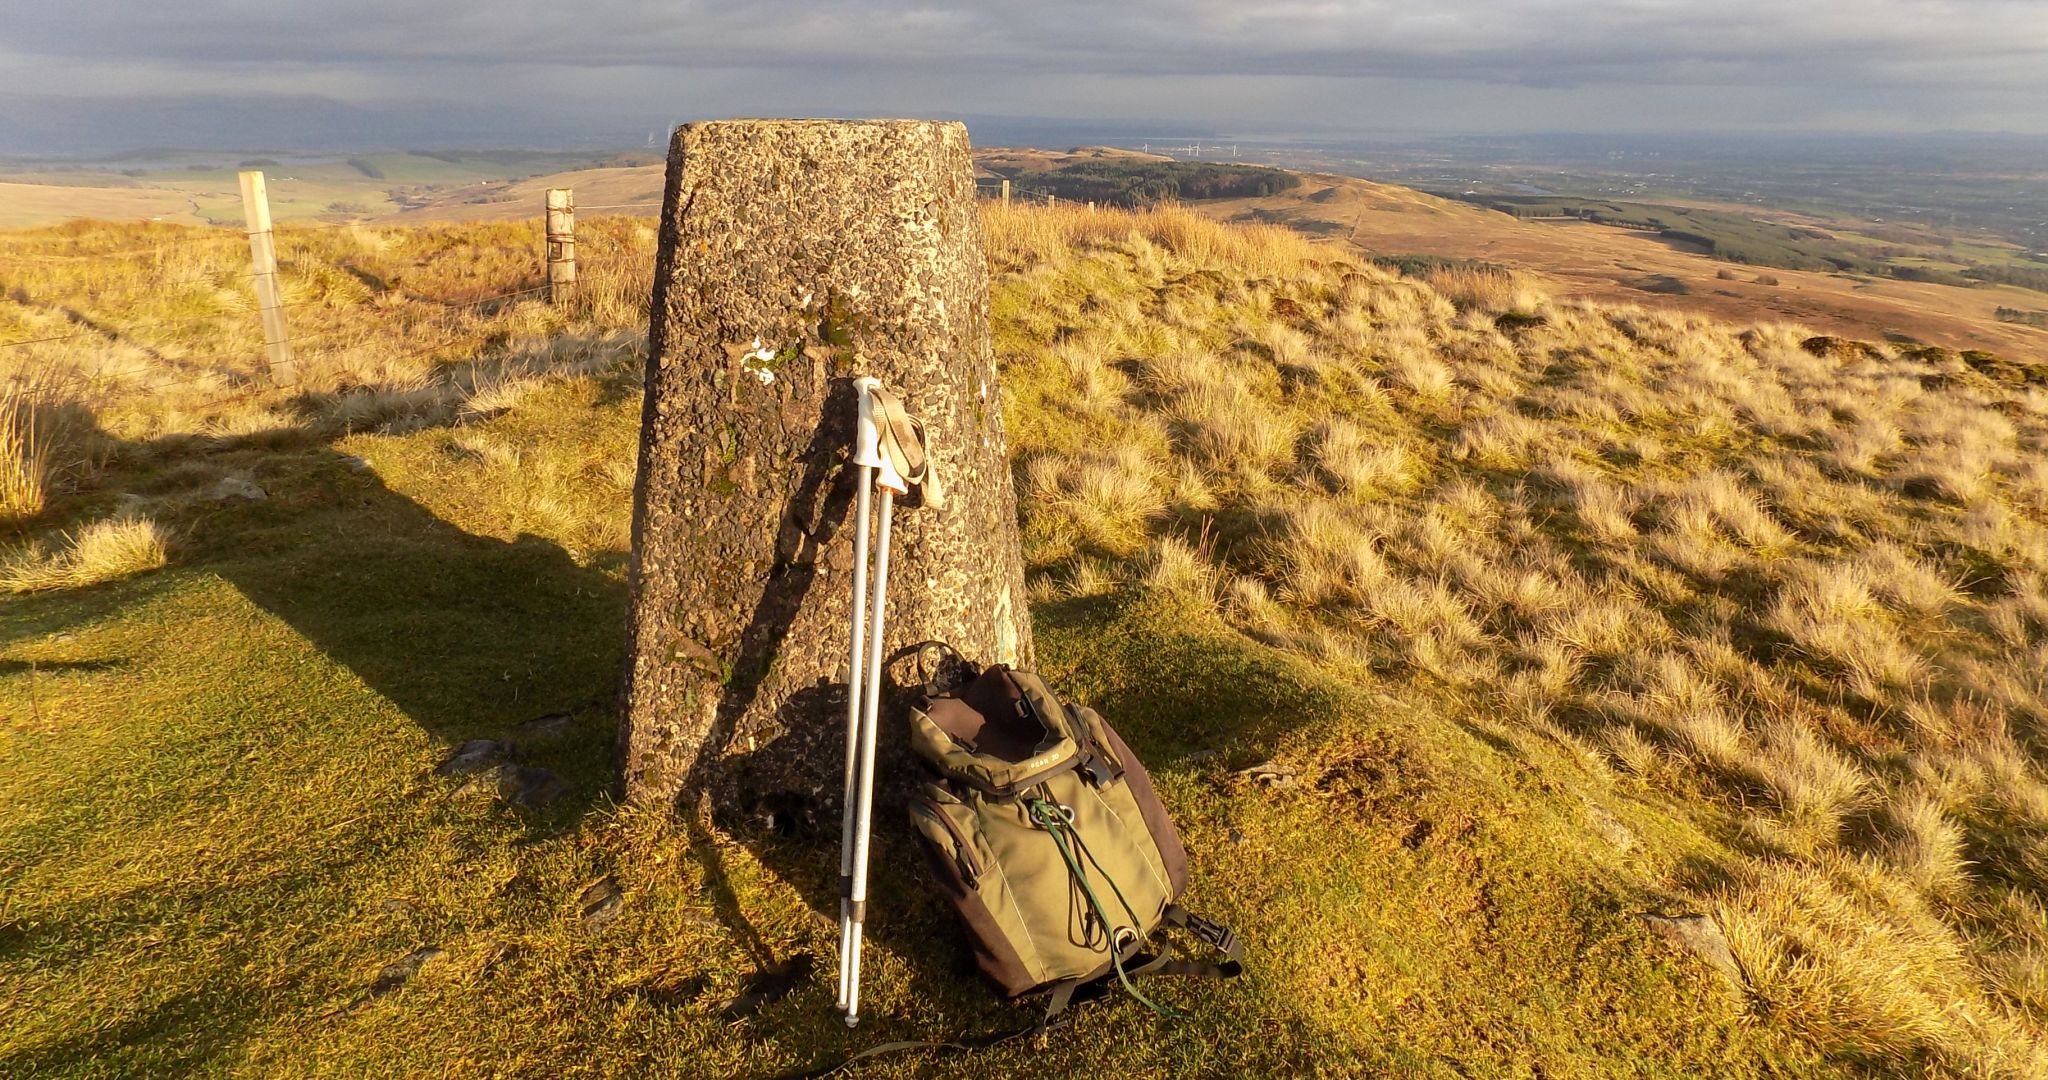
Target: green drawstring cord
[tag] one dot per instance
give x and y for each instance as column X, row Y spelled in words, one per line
column 1048, row 815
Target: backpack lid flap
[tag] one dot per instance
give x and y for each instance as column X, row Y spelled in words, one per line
column 992, row 735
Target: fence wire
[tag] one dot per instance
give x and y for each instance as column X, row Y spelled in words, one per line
column 246, row 369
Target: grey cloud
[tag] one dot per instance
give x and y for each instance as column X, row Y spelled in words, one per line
column 1960, row 51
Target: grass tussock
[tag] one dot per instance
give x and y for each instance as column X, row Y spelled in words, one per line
column 101, row 552
column 24, row 456
column 1805, row 593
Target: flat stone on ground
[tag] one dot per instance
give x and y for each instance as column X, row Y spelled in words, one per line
column 1609, row 828
column 474, row 756
column 551, row 726
column 533, row 788
column 234, row 487
column 1701, row 936
column 398, row 972
column 601, row 902
column 1270, row 774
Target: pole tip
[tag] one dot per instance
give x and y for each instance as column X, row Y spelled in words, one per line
column 852, row 1020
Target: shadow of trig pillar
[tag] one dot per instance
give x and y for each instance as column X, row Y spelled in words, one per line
column 796, row 256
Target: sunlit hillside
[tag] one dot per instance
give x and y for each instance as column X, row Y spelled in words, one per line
column 1463, row 627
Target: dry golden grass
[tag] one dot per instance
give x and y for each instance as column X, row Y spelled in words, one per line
column 156, row 348
column 1806, row 593
column 24, row 456
column 1020, row 236
column 103, row 551
column 392, row 328
column 1797, row 601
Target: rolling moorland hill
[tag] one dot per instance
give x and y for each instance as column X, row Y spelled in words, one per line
column 1463, row 627
column 1739, row 262
column 1585, row 259
column 1574, row 258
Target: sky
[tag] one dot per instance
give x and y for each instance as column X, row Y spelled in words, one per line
column 1251, row 66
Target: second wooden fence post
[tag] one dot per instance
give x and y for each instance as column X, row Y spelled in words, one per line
column 561, row 245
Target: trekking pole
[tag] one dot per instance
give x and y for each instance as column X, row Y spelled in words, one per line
column 867, row 457
column 891, row 483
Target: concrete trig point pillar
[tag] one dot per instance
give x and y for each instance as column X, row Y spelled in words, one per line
column 796, row 255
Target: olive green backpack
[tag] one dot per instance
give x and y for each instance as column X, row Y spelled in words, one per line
column 1045, row 834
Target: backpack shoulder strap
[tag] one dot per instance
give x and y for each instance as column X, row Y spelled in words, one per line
column 940, row 667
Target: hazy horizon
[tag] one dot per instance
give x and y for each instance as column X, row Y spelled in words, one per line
column 62, row 128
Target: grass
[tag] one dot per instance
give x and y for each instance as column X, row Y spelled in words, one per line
column 1532, row 625
column 1724, row 565
column 24, row 455
column 102, row 551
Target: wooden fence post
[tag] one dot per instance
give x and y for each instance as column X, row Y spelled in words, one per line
column 561, row 245
column 1052, row 200
column 277, row 346
column 1006, row 193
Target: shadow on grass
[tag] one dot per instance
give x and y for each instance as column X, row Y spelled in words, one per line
column 469, row 636
column 17, row 667
column 180, row 1036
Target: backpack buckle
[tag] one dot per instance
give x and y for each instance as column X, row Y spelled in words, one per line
column 1218, row 936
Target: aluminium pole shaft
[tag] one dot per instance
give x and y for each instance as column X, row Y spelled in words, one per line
column 854, row 698
column 870, row 712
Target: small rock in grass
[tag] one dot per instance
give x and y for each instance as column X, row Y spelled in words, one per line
column 530, row 787
column 229, row 488
column 543, row 727
column 1609, row 828
column 474, row 756
column 601, row 902
column 398, row 972
column 1269, row 774
column 1701, row 936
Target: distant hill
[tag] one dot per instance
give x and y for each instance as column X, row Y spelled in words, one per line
column 1679, row 264
column 1110, row 177
column 1580, row 257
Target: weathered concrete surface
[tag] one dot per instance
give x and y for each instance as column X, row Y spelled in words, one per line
column 795, row 256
